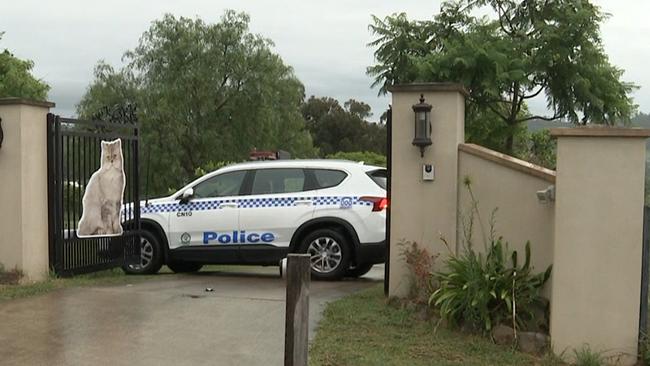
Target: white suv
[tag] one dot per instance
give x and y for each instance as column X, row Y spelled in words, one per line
column 257, row 212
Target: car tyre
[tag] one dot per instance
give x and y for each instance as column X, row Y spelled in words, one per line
column 330, row 254
column 359, row 270
column 151, row 256
column 184, row 267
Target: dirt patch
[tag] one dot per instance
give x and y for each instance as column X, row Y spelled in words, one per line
column 10, row 277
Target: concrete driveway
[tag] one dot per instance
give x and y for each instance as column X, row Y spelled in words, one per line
column 170, row 320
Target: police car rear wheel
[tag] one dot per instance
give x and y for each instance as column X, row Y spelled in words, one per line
column 150, row 256
column 359, row 270
column 184, row 267
column 329, row 254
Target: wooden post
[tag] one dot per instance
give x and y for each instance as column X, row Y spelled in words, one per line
column 297, row 310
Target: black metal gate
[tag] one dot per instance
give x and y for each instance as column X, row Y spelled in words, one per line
column 74, row 153
column 645, row 276
column 389, row 181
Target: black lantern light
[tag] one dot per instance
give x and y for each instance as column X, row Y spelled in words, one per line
column 422, row 125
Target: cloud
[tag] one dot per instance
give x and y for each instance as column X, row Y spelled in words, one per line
column 325, row 41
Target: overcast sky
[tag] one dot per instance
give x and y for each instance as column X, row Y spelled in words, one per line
column 325, row 41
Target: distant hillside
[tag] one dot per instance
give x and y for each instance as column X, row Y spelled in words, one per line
column 640, row 120
column 535, row 125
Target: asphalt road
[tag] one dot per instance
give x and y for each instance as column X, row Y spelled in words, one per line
column 170, row 320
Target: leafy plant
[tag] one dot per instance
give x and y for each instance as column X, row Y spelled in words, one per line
column 420, row 265
column 585, row 356
column 484, row 289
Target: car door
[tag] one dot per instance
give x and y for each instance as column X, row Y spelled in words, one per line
column 210, row 218
column 281, row 199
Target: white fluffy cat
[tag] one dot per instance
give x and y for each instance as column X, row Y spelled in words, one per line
column 102, row 199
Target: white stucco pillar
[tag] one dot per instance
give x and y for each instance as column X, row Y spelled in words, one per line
column 23, row 187
column 422, row 211
column 598, row 240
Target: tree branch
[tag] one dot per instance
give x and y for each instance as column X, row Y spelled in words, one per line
column 516, row 104
column 555, row 116
column 541, row 87
column 501, row 13
column 505, row 118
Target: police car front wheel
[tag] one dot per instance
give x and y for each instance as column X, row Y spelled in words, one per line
column 329, row 253
column 184, row 267
column 150, row 259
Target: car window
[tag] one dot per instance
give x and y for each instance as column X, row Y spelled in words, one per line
column 226, row 184
column 379, row 176
column 327, row 178
column 268, row 181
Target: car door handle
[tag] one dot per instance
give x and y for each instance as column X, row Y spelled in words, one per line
column 228, row 205
column 303, row 203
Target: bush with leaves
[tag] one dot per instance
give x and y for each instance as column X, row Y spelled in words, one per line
column 367, row 157
column 420, row 265
column 585, row 356
column 210, row 167
column 484, row 289
column 541, row 149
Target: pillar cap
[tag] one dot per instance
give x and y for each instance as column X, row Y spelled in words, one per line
column 600, row 131
column 36, row 103
column 429, row 87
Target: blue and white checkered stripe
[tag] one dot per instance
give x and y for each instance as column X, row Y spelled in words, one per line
column 253, row 203
column 267, row 202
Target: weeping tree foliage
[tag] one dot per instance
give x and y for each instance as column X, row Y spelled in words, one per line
column 205, row 92
column 345, row 128
column 530, row 48
column 16, row 79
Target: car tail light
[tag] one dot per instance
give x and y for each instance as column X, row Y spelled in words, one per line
column 378, row 203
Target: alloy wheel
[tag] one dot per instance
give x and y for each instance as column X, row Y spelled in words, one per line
column 325, row 254
column 146, row 254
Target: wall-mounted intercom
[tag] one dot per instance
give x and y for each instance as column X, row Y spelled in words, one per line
column 428, row 172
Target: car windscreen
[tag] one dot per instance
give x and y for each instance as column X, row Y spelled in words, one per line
column 379, row 176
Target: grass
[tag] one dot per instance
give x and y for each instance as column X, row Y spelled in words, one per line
column 363, row 330
column 586, row 357
column 109, row 277
column 10, row 290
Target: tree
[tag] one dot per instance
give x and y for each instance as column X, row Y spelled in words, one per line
column 343, row 129
column 531, row 48
column 205, row 93
column 367, row 157
column 16, row 79
column 641, row 120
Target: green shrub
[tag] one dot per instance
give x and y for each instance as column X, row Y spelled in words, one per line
column 420, row 265
column 482, row 290
column 541, row 149
column 585, row 356
column 369, row 158
column 210, row 166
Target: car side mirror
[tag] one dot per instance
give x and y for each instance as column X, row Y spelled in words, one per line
column 187, row 195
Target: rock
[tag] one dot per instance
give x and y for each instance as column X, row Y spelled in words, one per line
column 532, row 342
column 503, row 335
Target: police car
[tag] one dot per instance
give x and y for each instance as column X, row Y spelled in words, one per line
column 258, row 212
